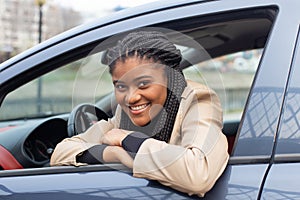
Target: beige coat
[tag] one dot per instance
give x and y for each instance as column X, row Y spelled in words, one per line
column 191, row 162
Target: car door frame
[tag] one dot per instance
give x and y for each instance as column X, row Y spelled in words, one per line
column 283, row 171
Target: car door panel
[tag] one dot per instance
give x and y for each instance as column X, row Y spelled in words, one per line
column 86, row 185
column 281, row 183
column 239, row 182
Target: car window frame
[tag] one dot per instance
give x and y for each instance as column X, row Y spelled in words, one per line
column 284, row 63
column 279, row 156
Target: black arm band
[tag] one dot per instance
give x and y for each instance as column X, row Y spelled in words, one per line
column 133, row 141
column 93, row 155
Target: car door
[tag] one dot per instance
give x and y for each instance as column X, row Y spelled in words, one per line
column 260, row 123
column 252, row 151
column 284, row 170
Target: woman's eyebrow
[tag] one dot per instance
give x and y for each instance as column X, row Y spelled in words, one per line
column 116, row 81
column 134, row 80
column 141, row 77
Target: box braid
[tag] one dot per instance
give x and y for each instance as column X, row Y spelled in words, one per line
column 156, row 47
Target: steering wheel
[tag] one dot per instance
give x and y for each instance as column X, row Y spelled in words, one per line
column 84, row 116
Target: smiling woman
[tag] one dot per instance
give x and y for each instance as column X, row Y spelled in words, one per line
column 143, row 96
column 163, row 124
column 229, row 46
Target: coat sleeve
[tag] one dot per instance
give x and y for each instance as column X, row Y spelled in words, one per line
column 66, row 151
column 200, row 156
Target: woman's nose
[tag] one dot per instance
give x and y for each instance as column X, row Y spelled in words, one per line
column 133, row 96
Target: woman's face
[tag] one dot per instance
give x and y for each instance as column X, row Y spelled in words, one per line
column 140, row 88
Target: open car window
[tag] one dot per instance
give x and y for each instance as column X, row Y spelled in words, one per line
column 226, row 57
column 230, row 76
column 83, row 81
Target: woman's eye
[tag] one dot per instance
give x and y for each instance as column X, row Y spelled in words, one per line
column 120, row 87
column 143, row 84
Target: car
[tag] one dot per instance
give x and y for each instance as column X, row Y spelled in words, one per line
column 247, row 51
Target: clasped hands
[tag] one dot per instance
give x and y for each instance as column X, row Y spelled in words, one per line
column 114, row 152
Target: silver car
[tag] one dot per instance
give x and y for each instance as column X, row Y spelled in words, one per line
column 247, row 51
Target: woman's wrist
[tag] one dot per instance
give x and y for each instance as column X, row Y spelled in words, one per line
column 117, row 154
column 132, row 142
column 110, row 154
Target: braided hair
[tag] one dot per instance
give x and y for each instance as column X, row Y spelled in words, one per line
column 156, row 47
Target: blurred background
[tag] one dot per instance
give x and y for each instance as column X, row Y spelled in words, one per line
column 25, row 23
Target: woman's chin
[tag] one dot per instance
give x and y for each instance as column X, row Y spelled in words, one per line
column 140, row 122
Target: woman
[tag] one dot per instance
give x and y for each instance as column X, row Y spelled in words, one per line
column 165, row 128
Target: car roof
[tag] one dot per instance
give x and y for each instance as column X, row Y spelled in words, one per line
column 114, row 17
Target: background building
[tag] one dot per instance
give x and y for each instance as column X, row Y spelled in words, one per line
column 19, row 24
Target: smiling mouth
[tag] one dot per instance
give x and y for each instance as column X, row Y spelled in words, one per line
column 138, row 109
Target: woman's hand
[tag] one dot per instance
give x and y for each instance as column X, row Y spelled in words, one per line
column 117, row 154
column 114, row 137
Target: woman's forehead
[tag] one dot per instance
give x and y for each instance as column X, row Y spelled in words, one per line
column 135, row 66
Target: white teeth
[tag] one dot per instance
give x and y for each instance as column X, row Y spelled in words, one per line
column 138, row 107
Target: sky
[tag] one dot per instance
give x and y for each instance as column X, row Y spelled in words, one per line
column 87, row 5
column 99, row 8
